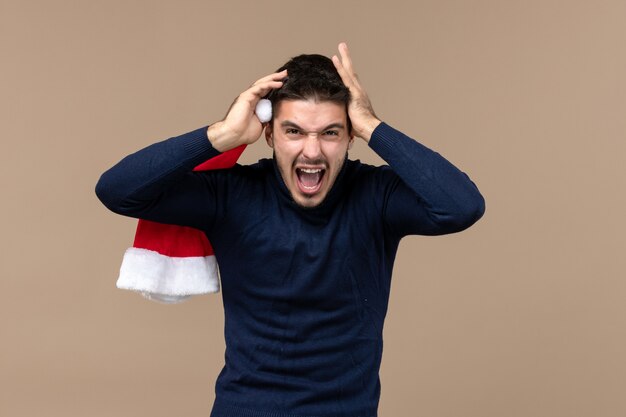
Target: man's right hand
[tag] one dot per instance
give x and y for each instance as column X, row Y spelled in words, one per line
column 241, row 126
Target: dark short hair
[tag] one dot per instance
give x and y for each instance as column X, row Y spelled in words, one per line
column 311, row 76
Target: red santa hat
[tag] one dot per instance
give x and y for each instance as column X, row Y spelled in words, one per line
column 170, row 263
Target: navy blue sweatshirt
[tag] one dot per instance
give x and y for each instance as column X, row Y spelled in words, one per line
column 305, row 290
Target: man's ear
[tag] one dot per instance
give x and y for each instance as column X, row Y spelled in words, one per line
column 268, row 134
column 351, row 141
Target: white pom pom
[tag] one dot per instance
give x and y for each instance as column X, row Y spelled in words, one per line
column 264, row 110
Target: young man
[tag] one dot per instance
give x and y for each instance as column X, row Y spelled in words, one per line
column 306, row 240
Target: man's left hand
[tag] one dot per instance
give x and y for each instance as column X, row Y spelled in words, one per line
column 360, row 110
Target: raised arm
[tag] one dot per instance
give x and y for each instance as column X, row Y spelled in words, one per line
column 158, row 183
column 424, row 192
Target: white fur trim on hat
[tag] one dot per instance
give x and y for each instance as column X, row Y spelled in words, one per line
column 167, row 279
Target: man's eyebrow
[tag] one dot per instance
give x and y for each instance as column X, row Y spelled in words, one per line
column 289, row 123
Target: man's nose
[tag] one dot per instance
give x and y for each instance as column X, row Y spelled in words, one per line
column 311, row 149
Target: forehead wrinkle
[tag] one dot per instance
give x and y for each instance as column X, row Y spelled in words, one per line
column 334, row 125
column 309, row 115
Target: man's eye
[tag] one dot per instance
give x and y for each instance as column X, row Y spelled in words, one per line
column 292, row 131
column 331, row 133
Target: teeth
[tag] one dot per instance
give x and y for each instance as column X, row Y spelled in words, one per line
column 311, row 171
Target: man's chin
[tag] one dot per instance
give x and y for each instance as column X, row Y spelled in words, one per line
column 308, row 201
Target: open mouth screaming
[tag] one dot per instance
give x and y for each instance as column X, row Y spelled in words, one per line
column 310, row 179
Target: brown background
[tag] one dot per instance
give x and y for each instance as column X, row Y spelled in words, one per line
column 521, row 315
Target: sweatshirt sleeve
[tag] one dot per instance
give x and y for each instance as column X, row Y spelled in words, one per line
column 158, row 183
column 424, row 193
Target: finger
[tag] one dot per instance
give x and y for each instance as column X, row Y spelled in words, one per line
column 257, row 91
column 346, row 60
column 349, row 77
column 343, row 73
column 276, row 76
column 273, row 76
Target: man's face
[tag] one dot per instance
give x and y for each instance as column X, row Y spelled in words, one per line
column 310, row 141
